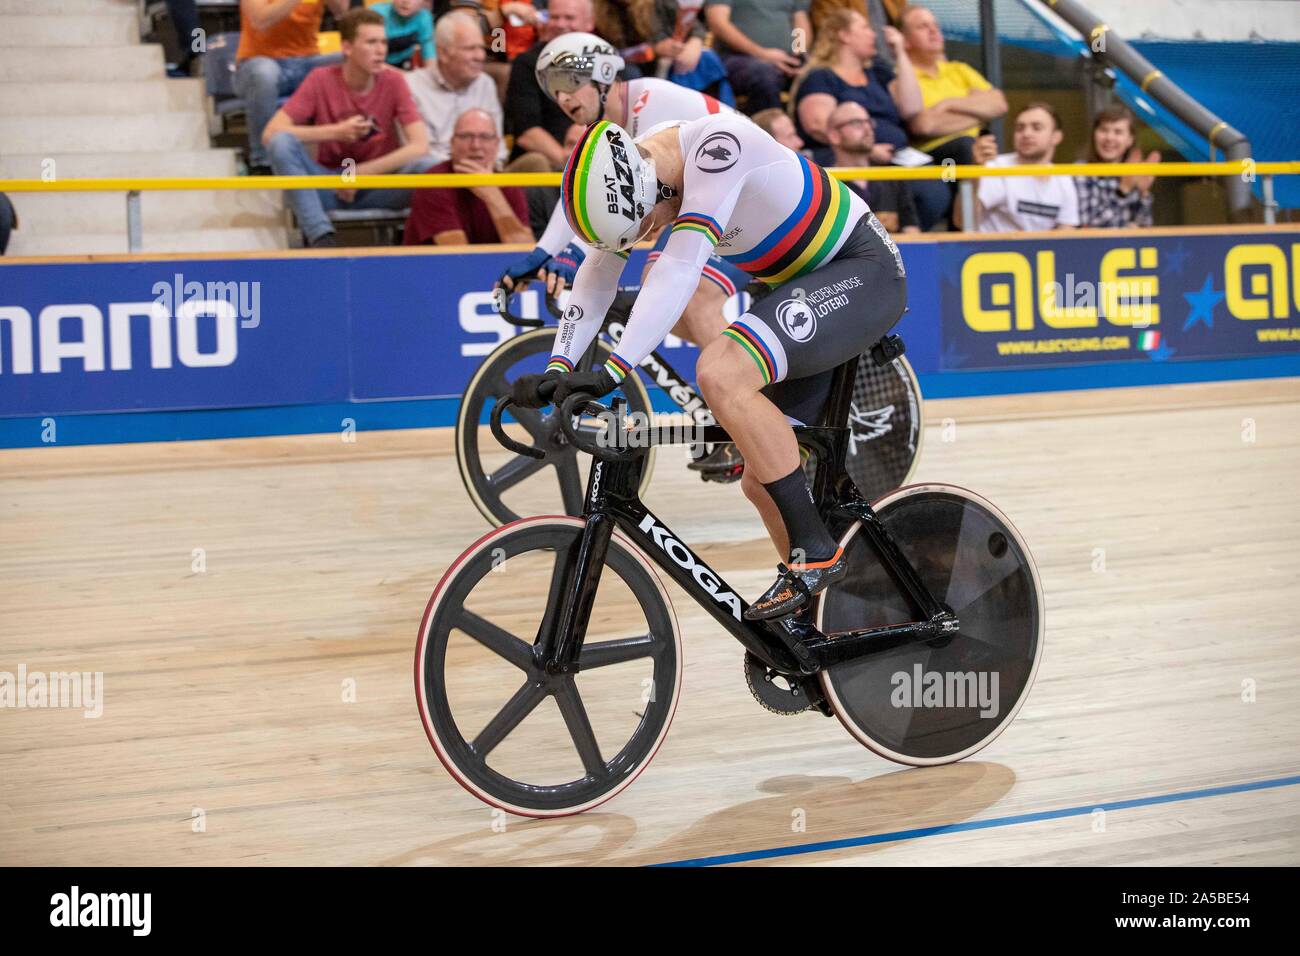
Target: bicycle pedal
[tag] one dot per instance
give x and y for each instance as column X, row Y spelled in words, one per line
column 726, row 477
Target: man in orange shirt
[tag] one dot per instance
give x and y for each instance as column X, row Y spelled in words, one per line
column 277, row 49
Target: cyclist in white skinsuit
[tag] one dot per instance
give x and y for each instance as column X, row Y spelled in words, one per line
column 837, row 285
column 636, row 105
column 578, row 71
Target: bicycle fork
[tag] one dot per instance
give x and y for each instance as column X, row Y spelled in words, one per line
column 564, row 625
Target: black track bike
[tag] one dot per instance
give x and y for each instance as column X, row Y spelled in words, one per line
column 549, row 659
column 884, row 416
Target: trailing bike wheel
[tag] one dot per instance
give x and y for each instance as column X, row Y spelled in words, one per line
column 503, row 485
column 937, row 701
column 885, row 427
column 515, row 736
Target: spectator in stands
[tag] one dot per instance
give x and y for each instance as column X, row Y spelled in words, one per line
column 777, row 124
column 184, row 15
column 756, row 40
column 958, row 101
column 277, row 49
column 879, row 13
column 646, row 31
column 454, row 82
column 1107, row 201
column 518, row 21
column 409, row 27
column 473, row 214
column 537, row 122
column 511, row 28
column 8, row 222
column 852, row 136
column 841, row 68
column 351, row 113
column 1026, row 203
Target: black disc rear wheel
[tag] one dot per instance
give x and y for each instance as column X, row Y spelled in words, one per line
column 938, row 701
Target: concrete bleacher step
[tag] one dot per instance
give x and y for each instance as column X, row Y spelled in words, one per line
column 93, row 64
column 81, row 97
column 82, row 30
column 90, row 213
column 103, row 134
column 197, row 162
column 60, row 7
column 124, row 97
column 207, row 240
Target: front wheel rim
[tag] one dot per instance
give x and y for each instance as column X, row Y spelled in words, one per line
column 456, row 752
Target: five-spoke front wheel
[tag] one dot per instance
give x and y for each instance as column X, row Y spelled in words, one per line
column 515, row 734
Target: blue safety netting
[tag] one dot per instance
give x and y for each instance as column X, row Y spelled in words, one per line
column 1254, row 86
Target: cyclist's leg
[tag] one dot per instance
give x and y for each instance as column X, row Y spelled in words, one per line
column 805, row 328
column 732, row 384
column 732, row 381
column 801, row 401
column 768, row 511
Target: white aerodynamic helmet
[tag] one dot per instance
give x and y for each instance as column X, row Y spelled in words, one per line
column 609, row 189
column 572, row 60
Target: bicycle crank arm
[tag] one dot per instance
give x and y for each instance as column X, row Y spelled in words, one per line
column 852, row 645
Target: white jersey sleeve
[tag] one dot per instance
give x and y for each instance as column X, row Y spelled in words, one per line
column 717, row 170
column 594, row 288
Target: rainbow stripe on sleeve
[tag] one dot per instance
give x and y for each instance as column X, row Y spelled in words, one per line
column 706, row 226
column 617, row 367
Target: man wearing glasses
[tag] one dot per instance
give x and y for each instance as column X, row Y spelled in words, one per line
column 472, row 215
column 454, row 82
column 851, row 135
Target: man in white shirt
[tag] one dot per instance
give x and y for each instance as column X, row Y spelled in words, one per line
column 454, row 82
column 1026, row 203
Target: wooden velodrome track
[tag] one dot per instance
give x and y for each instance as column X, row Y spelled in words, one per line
column 224, row 688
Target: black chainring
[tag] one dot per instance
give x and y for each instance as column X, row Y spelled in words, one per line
column 773, row 690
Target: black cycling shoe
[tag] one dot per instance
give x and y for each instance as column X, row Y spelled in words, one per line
column 723, row 464
column 796, row 586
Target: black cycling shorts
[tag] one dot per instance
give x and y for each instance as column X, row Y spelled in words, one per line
column 799, row 332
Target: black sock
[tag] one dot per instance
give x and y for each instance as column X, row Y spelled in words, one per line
column 809, row 539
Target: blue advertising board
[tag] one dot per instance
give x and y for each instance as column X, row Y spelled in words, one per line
column 986, row 315
column 118, row 336
column 1130, row 297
